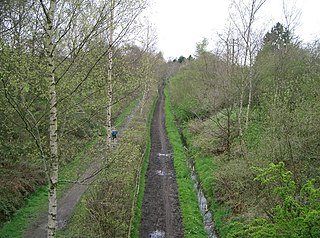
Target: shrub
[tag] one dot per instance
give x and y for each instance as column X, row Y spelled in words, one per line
column 233, row 184
column 297, row 213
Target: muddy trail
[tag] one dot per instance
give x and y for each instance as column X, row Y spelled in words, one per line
column 161, row 215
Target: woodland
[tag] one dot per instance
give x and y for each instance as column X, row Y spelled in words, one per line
column 69, row 70
column 247, row 115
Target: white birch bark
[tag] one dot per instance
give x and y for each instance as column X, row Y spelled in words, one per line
column 245, row 11
column 53, row 132
column 109, row 74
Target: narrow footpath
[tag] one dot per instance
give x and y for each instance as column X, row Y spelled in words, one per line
column 66, row 204
column 161, row 215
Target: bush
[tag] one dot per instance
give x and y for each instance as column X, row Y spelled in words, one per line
column 234, row 185
column 17, row 181
column 297, row 214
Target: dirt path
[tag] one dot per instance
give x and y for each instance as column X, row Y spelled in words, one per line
column 160, row 209
column 66, row 204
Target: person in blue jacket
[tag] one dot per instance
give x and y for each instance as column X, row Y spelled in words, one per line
column 114, row 133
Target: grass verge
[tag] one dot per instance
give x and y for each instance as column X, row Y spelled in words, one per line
column 126, row 112
column 205, row 168
column 192, row 218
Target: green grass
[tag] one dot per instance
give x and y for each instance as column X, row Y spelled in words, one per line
column 126, row 112
column 192, row 218
column 20, row 221
column 205, row 168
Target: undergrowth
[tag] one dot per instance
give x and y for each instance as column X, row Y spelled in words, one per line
column 37, row 203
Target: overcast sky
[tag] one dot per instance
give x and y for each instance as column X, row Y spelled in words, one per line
column 180, row 24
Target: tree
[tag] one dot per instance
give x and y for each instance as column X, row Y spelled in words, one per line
column 248, row 48
column 50, row 49
column 121, row 23
column 286, row 83
column 109, row 72
column 278, row 37
column 53, row 162
column 181, row 59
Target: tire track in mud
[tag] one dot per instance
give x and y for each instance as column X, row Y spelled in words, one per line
column 161, row 215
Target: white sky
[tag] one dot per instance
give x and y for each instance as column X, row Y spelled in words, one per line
column 180, row 24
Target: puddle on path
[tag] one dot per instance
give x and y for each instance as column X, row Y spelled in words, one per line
column 163, row 173
column 160, row 172
column 157, row 234
column 160, row 155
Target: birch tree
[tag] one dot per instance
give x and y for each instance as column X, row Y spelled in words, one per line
column 121, row 26
column 52, row 38
column 62, row 40
column 109, row 72
column 248, row 42
column 53, row 162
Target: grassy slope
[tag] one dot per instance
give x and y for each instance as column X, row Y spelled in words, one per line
column 192, row 219
column 205, row 168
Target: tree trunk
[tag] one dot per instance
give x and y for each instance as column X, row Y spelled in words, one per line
column 229, row 112
column 109, row 78
column 242, row 144
column 53, row 133
column 249, row 96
